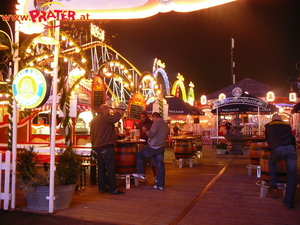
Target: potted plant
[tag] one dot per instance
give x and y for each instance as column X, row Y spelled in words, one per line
column 221, row 147
column 34, row 178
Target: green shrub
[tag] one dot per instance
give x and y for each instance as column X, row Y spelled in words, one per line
column 68, row 168
column 221, row 145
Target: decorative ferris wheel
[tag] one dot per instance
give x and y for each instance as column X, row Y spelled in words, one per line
column 81, row 60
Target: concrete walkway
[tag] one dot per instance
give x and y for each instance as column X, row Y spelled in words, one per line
column 216, row 190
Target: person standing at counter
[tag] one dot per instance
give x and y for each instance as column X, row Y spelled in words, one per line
column 156, row 148
column 145, row 125
column 176, row 130
column 103, row 138
column 283, row 146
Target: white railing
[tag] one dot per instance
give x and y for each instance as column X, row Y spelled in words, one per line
column 5, row 175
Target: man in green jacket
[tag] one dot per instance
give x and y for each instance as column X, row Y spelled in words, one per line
column 103, row 138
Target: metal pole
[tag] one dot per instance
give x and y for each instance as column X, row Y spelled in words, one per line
column 258, row 120
column 217, row 125
column 232, row 62
column 15, row 120
column 51, row 196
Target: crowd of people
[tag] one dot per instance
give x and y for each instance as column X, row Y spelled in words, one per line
column 154, row 132
column 103, row 138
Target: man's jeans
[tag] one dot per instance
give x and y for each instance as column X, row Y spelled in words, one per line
column 289, row 154
column 106, row 169
column 158, row 155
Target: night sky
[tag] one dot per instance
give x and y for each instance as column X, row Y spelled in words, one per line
column 197, row 44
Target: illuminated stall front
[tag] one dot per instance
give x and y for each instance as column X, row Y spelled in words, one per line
column 253, row 117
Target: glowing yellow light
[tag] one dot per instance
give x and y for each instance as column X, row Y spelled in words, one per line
column 71, row 43
column 270, row 96
column 180, row 77
column 65, row 59
column 63, row 38
column 292, row 97
column 203, row 100
column 222, row 96
column 28, row 50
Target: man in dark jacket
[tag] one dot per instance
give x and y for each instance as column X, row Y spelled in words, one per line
column 282, row 144
column 103, row 137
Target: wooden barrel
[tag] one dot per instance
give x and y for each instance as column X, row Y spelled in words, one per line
column 198, row 143
column 183, row 148
column 255, row 152
column 264, row 167
column 125, row 158
column 194, row 148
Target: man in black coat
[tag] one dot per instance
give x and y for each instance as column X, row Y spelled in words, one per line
column 283, row 146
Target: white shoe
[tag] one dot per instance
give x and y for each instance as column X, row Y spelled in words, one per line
column 140, row 176
column 158, row 188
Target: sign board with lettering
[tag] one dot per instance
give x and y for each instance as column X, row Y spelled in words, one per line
column 136, row 106
column 31, row 88
column 114, row 9
column 98, row 93
column 242, row 100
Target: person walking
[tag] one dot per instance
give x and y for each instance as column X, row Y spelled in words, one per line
column 103, row 138
column 156, row 147
column 145, row 125
column 283, row 146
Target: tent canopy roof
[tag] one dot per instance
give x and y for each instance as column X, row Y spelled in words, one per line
column 177, row 107
column 251, row 86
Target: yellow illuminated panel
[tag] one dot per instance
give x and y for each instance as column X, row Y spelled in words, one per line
column 181, row 85
column 30, row 88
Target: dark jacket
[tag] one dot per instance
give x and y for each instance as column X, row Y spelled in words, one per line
column 147, row 124
column 279, row 133
column 103, row 129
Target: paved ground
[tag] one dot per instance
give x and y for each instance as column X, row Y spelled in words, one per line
column 216, row 190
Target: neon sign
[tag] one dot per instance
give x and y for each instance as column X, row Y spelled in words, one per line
column 31, row 88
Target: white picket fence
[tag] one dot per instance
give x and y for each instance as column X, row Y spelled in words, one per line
column 6, row 184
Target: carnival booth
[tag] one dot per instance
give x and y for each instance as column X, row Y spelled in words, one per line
column 181, row 113
column 255, row 113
